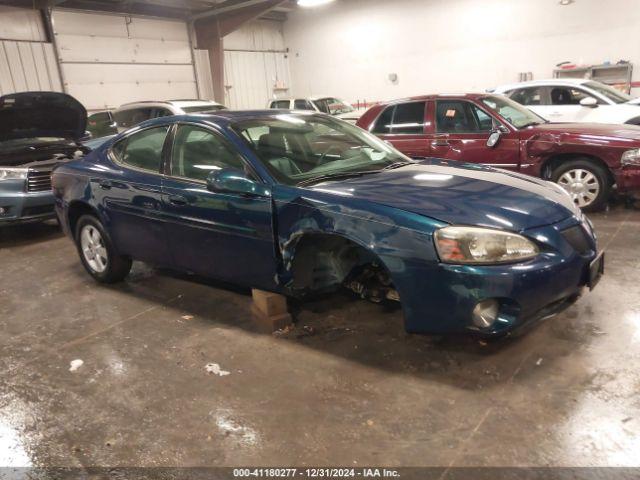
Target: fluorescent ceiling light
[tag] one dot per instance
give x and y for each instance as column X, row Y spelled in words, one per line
column 313, row 3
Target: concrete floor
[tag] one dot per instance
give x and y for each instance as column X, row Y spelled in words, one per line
column 346, row 387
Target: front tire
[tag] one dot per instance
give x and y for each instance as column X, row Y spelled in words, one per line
column 586, row 181
column 97, row 253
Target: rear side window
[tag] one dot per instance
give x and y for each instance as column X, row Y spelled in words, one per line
column 142, row 150
column 99, row 117
column 280, row 104
column 527, row 96
column 134, row 116
column 569, row 96
column 404, row 118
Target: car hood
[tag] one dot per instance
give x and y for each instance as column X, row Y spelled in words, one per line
column 41, row 114
column 586, row 131
column 354, row 115
column 460, row 193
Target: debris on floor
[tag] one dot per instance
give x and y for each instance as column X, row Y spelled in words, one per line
column 539, row 362
column 187, row 317
column 75, row 365
column 214, row 368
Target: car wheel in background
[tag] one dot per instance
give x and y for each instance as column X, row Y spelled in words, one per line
column 97, row 252
column 586, row 181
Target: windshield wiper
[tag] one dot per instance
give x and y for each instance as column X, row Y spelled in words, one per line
column 399, row 164
column 334, row 176
column 531, row 124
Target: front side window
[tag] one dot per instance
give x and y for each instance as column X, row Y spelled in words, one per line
column 196, row 152
column 142, row 150
column 333, row 106
column 568, row 96
column 303, row 148
column 459, row 116
column 302, row 104
column 527, row 96
column 512, row 112
column 280, row 105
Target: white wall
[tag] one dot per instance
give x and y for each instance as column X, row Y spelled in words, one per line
column 256, row 65
column 349, row 47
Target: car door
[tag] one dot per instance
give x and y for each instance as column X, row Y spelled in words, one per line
column 403, row 125
column 565, row 104
column 461, row 132
column 131, row 195
column 223, row 235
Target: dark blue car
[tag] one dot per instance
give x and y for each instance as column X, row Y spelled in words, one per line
column 301, row 203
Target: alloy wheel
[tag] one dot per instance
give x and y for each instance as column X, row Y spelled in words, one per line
column 93, row 249
column 582, row 185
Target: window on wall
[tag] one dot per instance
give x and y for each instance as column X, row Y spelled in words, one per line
column 527, row 96
column 196, row 152
column 403, row 118
column 142, row 150
column 459, row 116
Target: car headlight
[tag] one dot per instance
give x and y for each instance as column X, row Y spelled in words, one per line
column 13, row 173
column 631, row 157
column 475, row 245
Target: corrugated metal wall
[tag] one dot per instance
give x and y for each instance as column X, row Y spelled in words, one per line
column 108, row 60
column 27, row 61
column 256, row 65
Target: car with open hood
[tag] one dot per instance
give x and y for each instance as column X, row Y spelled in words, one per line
column 38, row 131
column 588, row 160
column 574, row 100
column 299, row 203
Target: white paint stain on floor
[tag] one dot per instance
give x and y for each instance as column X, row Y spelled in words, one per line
column 244, row 435
column 75, row 364
column 214, row 368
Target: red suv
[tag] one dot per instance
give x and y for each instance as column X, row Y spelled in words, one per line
column 587, row 160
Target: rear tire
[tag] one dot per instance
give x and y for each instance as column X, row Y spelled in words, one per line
column 97, row 253
column 587, row 182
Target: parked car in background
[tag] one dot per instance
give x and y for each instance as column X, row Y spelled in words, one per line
column 574, row 100
column 38, row 130
column 329, row 105
column 131, row 114
column 100, row 124
column 587, row 160
column 301, row 202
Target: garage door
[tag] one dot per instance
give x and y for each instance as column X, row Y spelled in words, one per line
column 108, row 60
column 27, row 60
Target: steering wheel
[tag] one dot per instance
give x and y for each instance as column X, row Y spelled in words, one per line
column 321, row 160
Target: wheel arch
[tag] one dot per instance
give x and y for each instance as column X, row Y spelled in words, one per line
column 75, row 210
column 554, row 161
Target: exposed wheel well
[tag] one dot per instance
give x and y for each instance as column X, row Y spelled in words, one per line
column 324, row 262
column 75, row 211
column 554, row 161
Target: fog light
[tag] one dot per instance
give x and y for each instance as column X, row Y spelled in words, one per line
column 485, row 313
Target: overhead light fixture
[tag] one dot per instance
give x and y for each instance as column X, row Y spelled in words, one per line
column 313, row 3
column 566, row 2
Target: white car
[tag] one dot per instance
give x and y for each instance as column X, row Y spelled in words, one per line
column 331, row 105
column 130, row 114
column 574, row 100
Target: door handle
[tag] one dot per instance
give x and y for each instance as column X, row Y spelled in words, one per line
column 105, row 184
column 178, row 200
column 440, row 142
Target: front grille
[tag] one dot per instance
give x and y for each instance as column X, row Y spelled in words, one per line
column 39, row 180
column 578, row 239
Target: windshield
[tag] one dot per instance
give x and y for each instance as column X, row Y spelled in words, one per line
column 303, row 148
column 203, row 108
column 333, row 106
column 512, row 112
column 611, row 93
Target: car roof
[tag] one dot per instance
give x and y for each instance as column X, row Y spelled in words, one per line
column 540, row 83
column 435, row 96
column 161, row 103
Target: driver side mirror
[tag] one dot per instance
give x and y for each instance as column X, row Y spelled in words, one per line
column 589, row 102
column 232, row 180
column 496, row 133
